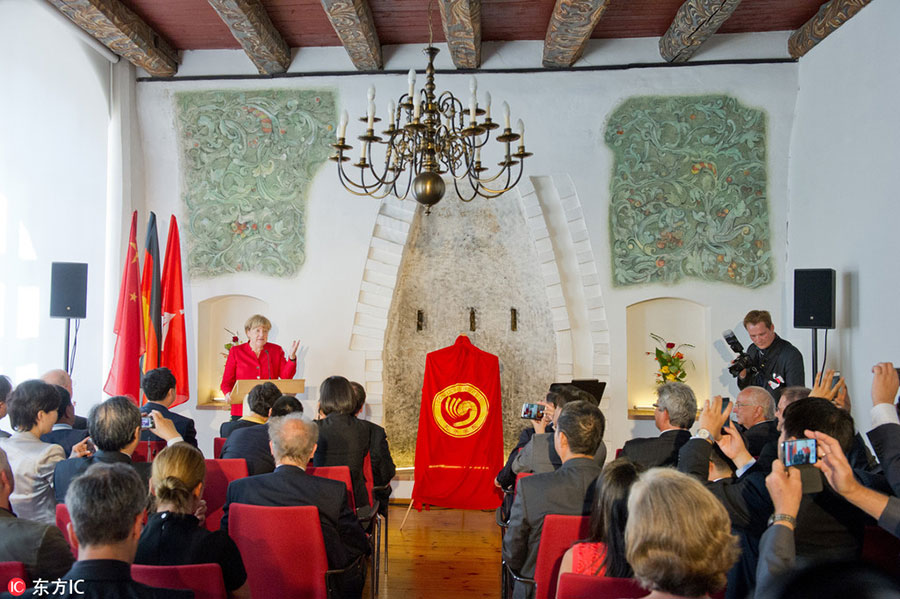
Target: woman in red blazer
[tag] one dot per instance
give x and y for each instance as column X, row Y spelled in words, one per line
column 257, row 359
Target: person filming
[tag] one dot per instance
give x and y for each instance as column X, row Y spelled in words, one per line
column 773, row 363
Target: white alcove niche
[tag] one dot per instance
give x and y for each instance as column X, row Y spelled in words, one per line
column 676, row 320
column 215, row 317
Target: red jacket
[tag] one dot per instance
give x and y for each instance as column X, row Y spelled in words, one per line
column 242, row 363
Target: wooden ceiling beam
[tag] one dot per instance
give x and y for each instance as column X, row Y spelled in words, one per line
column 352, row 20
column 253, row 29
column 830, row 16
column 462, row 28
column 694, row 23
column 570, row 28
column 118, row 28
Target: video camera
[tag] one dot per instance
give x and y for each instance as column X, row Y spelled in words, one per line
column 743, row 361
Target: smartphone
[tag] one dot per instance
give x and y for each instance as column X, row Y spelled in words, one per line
column 725, row 402
column 835, row 378
column 799, row 452
column 532, row 411
column 147, row 422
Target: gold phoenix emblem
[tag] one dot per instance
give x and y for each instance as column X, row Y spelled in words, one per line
column 460, row 410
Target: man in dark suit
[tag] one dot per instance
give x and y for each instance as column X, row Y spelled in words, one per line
column 107, row 505
column 115, row 427
column 63, row 434
column 885, row 433
column 293, row 441
column 159, row 388
column 251, row 444
column 754, row 408
column 676, row 407
column 569, row 490
column 260, row 400
column 383, row 468
column 61, row 377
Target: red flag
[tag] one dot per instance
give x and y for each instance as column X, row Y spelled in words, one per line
column 459, row 448
column 174, row 340
column 125, row 372
column 151, row 296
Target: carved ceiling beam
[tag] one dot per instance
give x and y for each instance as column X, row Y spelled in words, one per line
column 115, row 26
column 570, row 28
column 462, row 28
column 694, row 23
column 831, row 15
column 252, row 28
column 352, row 20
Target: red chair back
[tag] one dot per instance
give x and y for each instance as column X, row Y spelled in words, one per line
column 204, row 579
column 619, row 452
column 367, row 475
column 62, row 523
column 582, row 586
column 218, row 474
column 147, row 450
column 341, row 473
column 10, row 570
column 273, row 539
column 558, row 534
column 218, row 444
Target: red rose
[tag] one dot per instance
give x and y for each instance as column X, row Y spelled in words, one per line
column 234, row 339
column 670, row 346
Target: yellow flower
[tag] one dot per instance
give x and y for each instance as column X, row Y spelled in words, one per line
column 664, row 369
column 670, row 377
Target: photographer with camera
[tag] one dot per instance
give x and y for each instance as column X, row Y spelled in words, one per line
column 770, row 362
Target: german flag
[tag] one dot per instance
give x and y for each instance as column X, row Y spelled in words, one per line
column 151, row 295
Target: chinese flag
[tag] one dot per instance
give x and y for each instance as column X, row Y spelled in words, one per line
column 173, row 353
column 459, row 448
column 151, row 296
column 125, row 372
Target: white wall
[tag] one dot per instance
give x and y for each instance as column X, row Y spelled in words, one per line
column 565, row 114
column 53, row 186
column 843, row 191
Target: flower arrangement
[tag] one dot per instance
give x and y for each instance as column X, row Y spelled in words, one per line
column 234, row 341
column 671, row 360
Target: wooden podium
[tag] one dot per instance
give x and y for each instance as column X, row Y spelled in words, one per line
column 287, row 386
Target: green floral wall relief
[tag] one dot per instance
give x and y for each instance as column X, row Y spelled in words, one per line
column 248, row 160
column 688, row 191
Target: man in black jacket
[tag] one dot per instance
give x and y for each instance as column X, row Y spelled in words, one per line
column 63, row 433
column 159, row 388
column 676, row 407
column 251, row 443
column 778, row 363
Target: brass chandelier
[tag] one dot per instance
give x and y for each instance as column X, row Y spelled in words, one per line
column 428, row 136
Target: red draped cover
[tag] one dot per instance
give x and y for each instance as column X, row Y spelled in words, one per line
column 459, row 449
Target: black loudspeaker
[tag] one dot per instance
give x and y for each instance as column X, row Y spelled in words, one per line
column 814, row 298
column 68, row 290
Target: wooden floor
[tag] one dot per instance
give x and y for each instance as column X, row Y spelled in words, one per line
column 441, row 553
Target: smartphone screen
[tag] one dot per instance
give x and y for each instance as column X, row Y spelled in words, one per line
column 799, row 452
column 532, row 411
column 147, row 422
column 725, row 402
column 835, row 378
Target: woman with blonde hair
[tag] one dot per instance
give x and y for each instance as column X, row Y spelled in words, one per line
column 678, row 537
column 173, row 535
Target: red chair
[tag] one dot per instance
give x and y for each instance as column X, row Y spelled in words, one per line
column 204, row 579
column 380, row 520
column 273, row 539
column 147, row 450
column 582, row 586
column 557, row 535
column 619, row 452
column 10, row 570
column 62, row 523
column 339, row 473
column 218, row 474
column 218, row 444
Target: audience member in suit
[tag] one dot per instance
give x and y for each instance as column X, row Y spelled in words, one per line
column 383, row 468
column 107, row 506
column 115, row 427
column 677, row 538
column 885, row 433
column 343, row 438
column 293, row 443
column 828, row 527
column 159, row 388
column 260, row 401
column 5, row 389
column 676, row 408
column 754, row 409
column 32, row 413
column 174, row 536
column 569, row 490
column 62, row 433
column 40, row 547
column 61, row 378
column 252, row 443
column 539, row 455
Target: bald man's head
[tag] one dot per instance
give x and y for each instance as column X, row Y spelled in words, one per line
column 58, row 377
